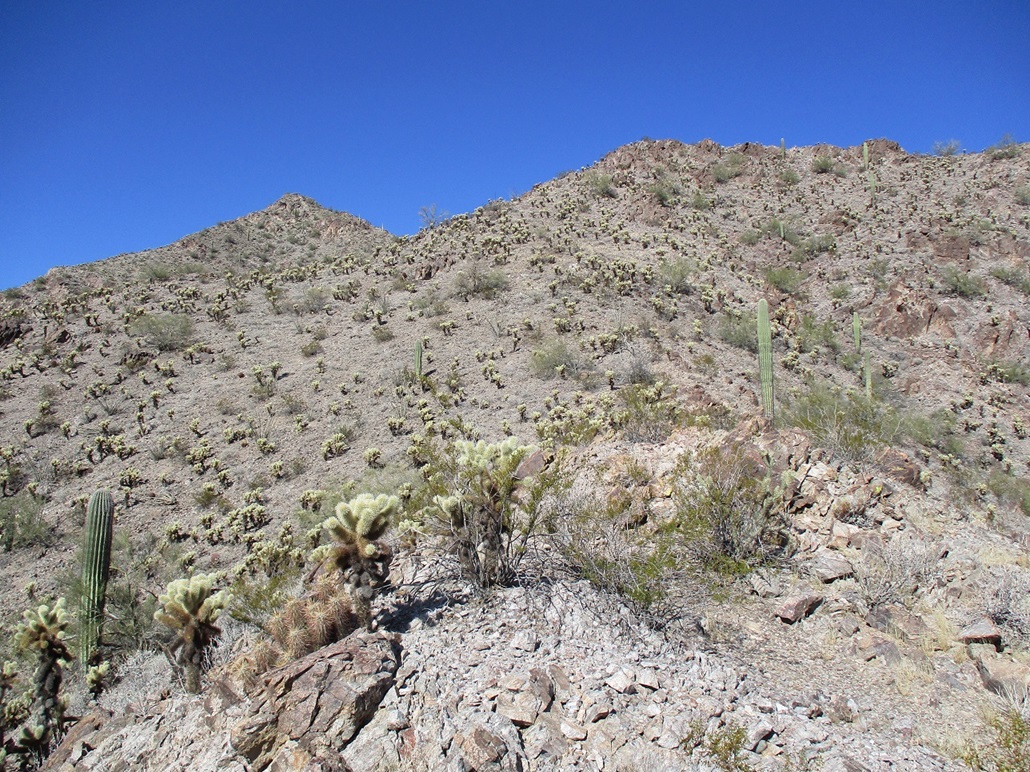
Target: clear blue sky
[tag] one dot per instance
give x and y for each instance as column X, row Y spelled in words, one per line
column 127, row 125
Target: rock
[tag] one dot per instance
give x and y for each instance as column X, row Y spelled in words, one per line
column 898, row 621
column 1005, row 677
column 981, row 631
column 760, row 730
column 873, row 646
column 319, row 701
column 521, row 709
column 622, row 681
column 573, row 731
column 531, row 465
column 798, row 607
column 829, row 567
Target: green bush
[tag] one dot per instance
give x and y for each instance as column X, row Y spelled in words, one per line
column 476, row 281
column 1006, row 147
column 847, row 423
column 1019, row 278
column 962, row 284
column 553, row 358
column 726, row 170
column 1008, row 747
column 739, row 330
column 787, row 280
column 166, row 332
column 600, row 184
column 730, row 509
column 22, row 523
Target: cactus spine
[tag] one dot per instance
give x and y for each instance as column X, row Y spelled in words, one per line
column 765, row 363
column 96, row 565
column 856, row 331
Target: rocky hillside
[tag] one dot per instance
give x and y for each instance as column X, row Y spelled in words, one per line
column 694, row 578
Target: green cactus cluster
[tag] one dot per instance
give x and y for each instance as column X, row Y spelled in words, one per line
column 190, row 607
column 96, row 566
column 42, row 630
column 477, row 511
column 362, row 560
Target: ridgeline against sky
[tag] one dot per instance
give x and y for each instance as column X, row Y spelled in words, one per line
column 128, row 126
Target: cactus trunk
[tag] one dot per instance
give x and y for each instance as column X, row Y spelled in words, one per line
column 96, row 564
column 765, row 362
column 856, row 330
column 418, row 359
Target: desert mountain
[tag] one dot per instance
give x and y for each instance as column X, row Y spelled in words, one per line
column 698, row 569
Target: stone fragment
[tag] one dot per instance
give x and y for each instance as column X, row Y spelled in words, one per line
column 1004, row 677
column 798, row 606
column 761, row 730
column 828, row 566
column 875, row 646
column 648, row 678
column 521, row 709
column 573, row 731
column 621, row 681
column 981, row 631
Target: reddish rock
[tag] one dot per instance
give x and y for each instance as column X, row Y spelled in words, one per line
column 981, row 631
column 798, row 607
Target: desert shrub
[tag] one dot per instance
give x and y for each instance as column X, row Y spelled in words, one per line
column 730, row 509
column 1005, row 148
column 1009, row 371
column 600, row 184
column 665, row 191
column 1006, row 749
column 779, row 228
column 1022, row 195
column 847, row 423
column 1019, row 278
column 787, row 280
column 739, row 330
column 22, row 523
column 946, row 148
column 700, row 201
column 962, row 284
column 649, row 412
column 813, row 335
column 938, row 430
column 824, row 164
column 166, row 332
column 554, row 358
column 479, row 282
column 726, row 170
column 1006, row 602
column 676, row 273
column 892, row 572
column 1010, row 490
column 589, row 531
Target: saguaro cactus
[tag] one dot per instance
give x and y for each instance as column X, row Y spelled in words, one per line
column 856, row 331
column 96, row 565
column 418, row 359
column 765, row 362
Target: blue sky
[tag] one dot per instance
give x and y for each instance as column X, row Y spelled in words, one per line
column 125, row 126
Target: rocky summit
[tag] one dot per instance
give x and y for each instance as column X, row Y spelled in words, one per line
column 699, row 458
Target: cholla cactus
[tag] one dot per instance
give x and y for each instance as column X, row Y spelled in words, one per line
column 478, row 516
column 42, row 630
column 190, row 608
column 322, row 616
column 363, row 561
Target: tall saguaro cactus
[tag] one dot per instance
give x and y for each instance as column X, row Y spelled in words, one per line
column 96, row 565
column 856, row 331
column 765, row 362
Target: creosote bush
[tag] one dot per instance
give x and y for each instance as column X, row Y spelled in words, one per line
column 166, row 332
column 730, row 509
